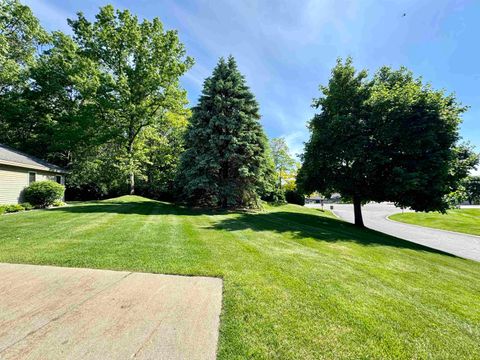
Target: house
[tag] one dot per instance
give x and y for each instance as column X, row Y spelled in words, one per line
column 18, row 170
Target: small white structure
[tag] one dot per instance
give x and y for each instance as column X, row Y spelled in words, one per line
column 18, row 170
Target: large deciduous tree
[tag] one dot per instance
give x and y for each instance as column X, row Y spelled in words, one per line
column 392, row 138
column 226, row 163
column 335, row 157
column 140, row 65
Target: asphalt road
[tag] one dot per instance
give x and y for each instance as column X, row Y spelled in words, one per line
column 375, row 217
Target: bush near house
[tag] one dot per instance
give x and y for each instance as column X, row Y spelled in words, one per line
column 44, row 193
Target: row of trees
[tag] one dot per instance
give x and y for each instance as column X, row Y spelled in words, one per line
column 106, row 103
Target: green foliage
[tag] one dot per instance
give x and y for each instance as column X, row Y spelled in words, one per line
column 389, row 139
column 11, row 208
column 227, row 162
column 456, row 197
column 275, row 196
column 27, row 206
column 472, row 189
column 93, row 101
column 161, row 149
column 58, row 203
column 43, row 193
column 294, row 197
column 20, row 34
column 140, row 65
column 284, row 162
column 20, row 37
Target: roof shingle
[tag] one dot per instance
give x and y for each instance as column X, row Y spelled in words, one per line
column 12, row 157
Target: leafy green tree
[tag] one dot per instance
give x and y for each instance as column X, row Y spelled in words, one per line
column 472, row 189
column 284, row 162
column 161, row 146
column 335, row 158
column 141, row 65
column 389, row 139
column 227, row 162
column 20, row 35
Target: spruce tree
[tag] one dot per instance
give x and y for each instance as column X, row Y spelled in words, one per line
column 227, row 162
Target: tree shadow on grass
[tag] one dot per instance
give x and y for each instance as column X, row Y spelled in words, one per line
column 320, row 228
column 299, row 225
column 147, row 207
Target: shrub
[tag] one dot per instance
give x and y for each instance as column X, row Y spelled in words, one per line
column 276, row 197
column 58, row 203
column 27, row 206
column 44, row 193
column 14, row 208
column 2, row 209
column 294, row 197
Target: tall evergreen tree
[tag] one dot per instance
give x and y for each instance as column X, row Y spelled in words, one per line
column 227, row 162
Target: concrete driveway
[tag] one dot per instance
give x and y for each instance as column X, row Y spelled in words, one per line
column 375, row 217
column 65, row 313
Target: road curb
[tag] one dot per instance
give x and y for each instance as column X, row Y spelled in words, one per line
column 428, row 227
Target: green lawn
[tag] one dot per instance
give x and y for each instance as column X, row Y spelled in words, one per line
column 298, row 284
column 460, row 220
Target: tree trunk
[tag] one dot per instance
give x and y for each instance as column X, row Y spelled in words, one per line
column 280, row 180
column 357, row 208
column 132, row 183
column 130, row 164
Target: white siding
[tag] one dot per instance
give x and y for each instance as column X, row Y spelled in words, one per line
column 14, row 179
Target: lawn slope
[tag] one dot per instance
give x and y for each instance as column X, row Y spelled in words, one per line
column 298, row 284
column 459, row 220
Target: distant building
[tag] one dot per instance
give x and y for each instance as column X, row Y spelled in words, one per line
column 18, row 170
column 318, row 199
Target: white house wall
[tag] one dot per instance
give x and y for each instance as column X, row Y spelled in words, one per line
column 13, row 180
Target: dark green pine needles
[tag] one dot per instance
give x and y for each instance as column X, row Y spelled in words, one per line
column 227, row 162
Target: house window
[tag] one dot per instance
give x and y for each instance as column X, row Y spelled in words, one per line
column 58, row 179
column 31, row 177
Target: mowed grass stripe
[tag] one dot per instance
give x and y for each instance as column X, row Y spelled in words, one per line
column 297, row 283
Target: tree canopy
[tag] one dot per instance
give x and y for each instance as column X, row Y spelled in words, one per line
column 226, row 162
column 20, row 35
column 392, row 138
column 103, row 103
column 472, row 189
column 283, row 160
column 140, row 65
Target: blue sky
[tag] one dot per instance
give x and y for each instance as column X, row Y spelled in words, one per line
column 287, row 48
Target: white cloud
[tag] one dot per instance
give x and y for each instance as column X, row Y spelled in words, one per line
column 295, row 142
